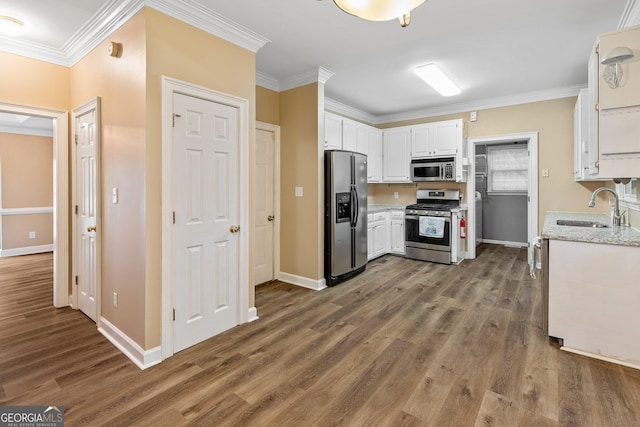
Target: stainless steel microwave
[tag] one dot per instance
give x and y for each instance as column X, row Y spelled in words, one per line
column 440, row 169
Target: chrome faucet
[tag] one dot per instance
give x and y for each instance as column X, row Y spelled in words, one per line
column 615, row 221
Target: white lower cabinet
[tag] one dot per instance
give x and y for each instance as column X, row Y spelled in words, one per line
column 397, row 232
column 377, row 240
column 593, row 299
column 385, row 233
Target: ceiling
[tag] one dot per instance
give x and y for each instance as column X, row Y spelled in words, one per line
column 497, row 51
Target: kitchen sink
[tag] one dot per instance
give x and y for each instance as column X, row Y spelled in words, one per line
column 578, row 223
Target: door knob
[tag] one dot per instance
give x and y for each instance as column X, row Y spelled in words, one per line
column 234, row 229
column 91, row 228
column 271, row 217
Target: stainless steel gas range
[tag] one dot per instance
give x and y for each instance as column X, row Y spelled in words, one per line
column 428, row 225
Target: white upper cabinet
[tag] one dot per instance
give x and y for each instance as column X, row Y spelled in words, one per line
column 374, row 155
column 396, row 154
column 332, row 131
column 438, row 139
column 617, row 103
column 581, row 137
column 349, row 135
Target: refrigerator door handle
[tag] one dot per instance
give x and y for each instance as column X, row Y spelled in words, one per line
column 355, row 210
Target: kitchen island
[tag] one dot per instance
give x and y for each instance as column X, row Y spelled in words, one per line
column 593, row 286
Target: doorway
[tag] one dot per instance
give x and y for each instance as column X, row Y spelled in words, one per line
column 531, row 140
column 267, row 203
column 61, row 195
column 205, row 188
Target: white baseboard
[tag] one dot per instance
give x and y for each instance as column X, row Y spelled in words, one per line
column 505, row 243
column 316, row 285
column 253, row 314
column 26, row 250
column 142, row 358
column 600, row 357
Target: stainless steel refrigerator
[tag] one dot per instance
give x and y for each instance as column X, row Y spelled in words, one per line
column 345, row 218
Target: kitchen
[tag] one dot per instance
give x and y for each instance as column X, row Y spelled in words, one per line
column 298, row 111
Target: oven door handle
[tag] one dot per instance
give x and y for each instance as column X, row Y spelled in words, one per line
column 411, row 217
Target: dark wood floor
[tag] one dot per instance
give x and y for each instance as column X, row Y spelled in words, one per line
column 406, row 343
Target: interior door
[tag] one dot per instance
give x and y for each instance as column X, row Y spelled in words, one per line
column 264, row 202
column 87, row 150
column 205, row 233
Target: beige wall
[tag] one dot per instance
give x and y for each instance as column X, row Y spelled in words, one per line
column 26, row 177
column 121, row 85
column 31, row 82
column 183, row 52
column 267, row 105
column 553, row 120
column 301, row 159
column 130, row 89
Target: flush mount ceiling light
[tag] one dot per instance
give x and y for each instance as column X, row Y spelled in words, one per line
column 11, row 26
column 380, row 10
column 613, row 60
column 437, row 79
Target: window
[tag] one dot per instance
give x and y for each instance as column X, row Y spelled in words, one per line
column 508, row 169
column 628, row 192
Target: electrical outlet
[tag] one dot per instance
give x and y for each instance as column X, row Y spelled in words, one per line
column 32, row 234
column 115, row 299
column 298, row 191
column 545, row 173
column 395, row 195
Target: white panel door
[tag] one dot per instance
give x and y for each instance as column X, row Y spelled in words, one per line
column 264, row 206
column 206, row 208
column 86, row 184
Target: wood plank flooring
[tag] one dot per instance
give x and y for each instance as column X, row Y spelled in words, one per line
column 406, row 343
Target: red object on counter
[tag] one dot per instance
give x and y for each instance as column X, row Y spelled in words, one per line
column 463, row 229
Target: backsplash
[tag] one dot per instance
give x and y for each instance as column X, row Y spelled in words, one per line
column 384, row 194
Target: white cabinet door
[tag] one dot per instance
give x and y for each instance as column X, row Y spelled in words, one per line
column 332, row 131
column 397, row 233
column 581, row 137
column 369, row 242
column 379, row 239
column 349, row 135
column 374, row 155
column 447, row 137
column 422, row 144
column 362, row 138
column 396, row 154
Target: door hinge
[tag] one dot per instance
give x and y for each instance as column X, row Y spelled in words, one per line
column 76, row 209
column 76, row 139
column 174, row 217
column 174, row 118
column 597, row 107
column 76, row 280
column 174, row 314
column 597, row 49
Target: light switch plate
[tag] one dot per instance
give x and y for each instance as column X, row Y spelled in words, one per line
column 298, row 191
column 545, row 173
column 114, row 195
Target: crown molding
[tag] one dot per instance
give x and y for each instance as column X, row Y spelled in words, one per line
column 23, row 130
column 114, row 13
column 33, row 50
column 630, row 15
column 267, row 81
column 205, row 19
column 319, row 75
column 111, row 16
column 484, row 104
column 347, row 111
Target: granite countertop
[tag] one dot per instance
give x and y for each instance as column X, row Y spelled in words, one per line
column 623, row 236
column 382, row 208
